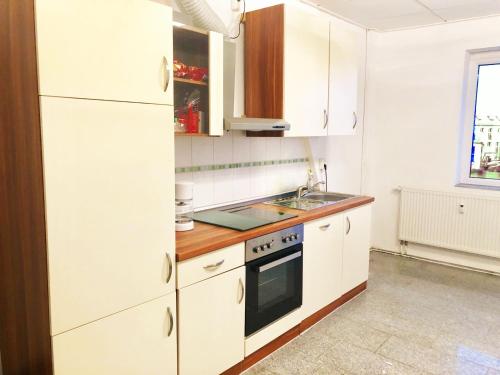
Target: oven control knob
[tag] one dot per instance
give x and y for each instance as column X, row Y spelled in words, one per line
column 284, row 239
column 255, row 250
column 294, row 236
column 290, row 239
column 268, row 245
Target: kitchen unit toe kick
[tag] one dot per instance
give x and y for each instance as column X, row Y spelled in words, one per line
column 205, row 238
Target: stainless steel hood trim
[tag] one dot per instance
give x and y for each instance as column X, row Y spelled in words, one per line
column 255, row 124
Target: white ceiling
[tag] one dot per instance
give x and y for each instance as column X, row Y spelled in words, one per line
column 395, row 14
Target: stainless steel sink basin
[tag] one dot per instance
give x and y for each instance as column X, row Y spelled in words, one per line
column 327, row 197
column 310, row 201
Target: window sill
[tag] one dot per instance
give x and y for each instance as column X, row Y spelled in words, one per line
column 476, row 186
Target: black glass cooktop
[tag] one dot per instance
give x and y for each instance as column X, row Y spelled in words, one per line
column 241, row 218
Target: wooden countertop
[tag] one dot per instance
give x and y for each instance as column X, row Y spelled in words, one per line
column 205, row 238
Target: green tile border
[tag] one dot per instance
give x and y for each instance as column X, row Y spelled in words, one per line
column 218, row 167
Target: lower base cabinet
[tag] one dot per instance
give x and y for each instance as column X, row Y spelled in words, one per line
column 137, row 341
column 323, row 241
column 356, row 250
column 211, row 324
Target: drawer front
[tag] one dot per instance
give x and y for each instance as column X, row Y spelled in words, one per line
column 200, row 268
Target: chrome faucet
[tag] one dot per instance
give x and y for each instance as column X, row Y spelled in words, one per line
column 301, row 190
column 304, row 189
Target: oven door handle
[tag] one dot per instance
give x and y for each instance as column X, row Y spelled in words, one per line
column 276, row 263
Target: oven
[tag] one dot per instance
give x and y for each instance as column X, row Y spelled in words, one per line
column 273, row 277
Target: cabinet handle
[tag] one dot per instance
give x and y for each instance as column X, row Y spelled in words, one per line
column 325, row 227
column 242, row 289
column 325, row 118
column 170, row 322
column 348, row 225
column 166, row 73
column 170, row 268
column 213, row 267
column 355, row 118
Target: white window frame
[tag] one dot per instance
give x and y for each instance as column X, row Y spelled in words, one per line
column 474, row 59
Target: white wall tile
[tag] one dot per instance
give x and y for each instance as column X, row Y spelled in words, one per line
column 202, row 151
column 223, row 149
column 241, row 184
column 258, row 181
column 241, row 148
column 257, row 149
column 223, row 186
column 203, row 191
column 183, row 152
column 292, row 148
column 273, row 148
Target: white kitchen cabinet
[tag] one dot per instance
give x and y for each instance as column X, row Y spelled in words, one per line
column 323, row 241
column 356, row 251
column 111, row 50
column 287, row 68
column 347, row 77
column 109, row 188
column 212, row 324
column 137, row 341
column 306, row 65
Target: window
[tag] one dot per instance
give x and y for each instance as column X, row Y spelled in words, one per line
column 480, row 164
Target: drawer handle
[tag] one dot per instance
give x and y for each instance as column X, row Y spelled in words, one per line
column 325, row 227
column 213, row 267
column 242, row 289
column 355, row 122
column 170, row 268
column 348, row 225
column 170, row 321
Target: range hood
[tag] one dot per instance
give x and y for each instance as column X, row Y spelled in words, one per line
column 233, row 87
column 255, row 124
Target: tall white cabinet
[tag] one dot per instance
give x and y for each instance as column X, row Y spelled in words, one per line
column 108, row 150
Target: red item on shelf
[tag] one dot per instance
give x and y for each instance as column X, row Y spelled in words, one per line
column 180, row 70
column 193, row 119
column 197, row 74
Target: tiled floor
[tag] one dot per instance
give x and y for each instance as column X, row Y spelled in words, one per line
column 415, row 318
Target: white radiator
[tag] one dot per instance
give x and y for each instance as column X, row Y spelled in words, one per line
column 469, row 223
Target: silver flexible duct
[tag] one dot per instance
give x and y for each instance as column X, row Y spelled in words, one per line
column 203, row 15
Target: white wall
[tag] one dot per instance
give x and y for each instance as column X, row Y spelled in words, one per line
column 413, row 107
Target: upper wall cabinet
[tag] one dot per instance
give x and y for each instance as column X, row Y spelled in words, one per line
column 198, row 81
column 347, row 70
column 287, row 68
column 112, row 50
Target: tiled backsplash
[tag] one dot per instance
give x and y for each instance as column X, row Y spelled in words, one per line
column 219, row 186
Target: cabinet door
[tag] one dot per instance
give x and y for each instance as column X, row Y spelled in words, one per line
column 356, row 254
column 212, row 324
column 141, row 340
column 109, row 188
column 113, row 49
column 347, row 70
column 306, row 65
column 216, row 83
column 322, row 263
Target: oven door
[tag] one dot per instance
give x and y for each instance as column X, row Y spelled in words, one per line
column 274, row 287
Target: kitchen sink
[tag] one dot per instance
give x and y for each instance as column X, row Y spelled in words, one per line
column 327, row 197
column 310, row 201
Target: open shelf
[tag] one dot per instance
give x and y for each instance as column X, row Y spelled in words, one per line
column 190, row 81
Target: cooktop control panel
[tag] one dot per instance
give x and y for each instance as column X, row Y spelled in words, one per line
column 269, row 243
